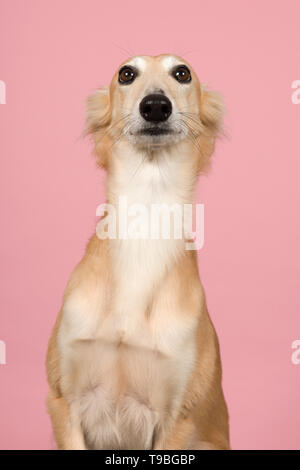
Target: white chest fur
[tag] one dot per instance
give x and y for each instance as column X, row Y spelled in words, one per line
column 126, row 370
column 126, row 373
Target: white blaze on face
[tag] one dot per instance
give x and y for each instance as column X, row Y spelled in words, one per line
column 169, row 62
column 138, row 62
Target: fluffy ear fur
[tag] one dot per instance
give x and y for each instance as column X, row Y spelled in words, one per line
column 97, row 120
column 98, row 111
column 211, row 110
column 211, row 116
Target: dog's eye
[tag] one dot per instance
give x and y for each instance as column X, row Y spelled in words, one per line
column 127, row 75
column 182, row 74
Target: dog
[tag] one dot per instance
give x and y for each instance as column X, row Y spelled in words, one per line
column 133, row 361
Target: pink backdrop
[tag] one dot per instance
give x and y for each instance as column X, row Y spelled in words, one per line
column 52, row 54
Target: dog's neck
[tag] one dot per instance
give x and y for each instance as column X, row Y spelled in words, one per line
column 165, row 177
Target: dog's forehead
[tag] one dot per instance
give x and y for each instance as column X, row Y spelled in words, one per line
column 166, row 61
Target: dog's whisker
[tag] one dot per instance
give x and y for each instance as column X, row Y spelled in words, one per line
column 197, row 125
column 124, row 50
column 162, row 174
column 124, row 118
column 188, row 107
column 191, row 135
column 138, row 168
column 192, row 116
column 112, row 127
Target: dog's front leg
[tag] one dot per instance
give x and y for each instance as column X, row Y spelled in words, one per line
column 177, row 437
column 66, row 424
column 184, row 436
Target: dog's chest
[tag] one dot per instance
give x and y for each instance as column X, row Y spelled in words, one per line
column 126, row 372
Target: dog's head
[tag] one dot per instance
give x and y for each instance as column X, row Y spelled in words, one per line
column 154, row 102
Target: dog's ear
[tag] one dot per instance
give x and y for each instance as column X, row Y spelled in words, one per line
column 98, row 118
column 98, row 111
column 211, row 117
column 211, row 111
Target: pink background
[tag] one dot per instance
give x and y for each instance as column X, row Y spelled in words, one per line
column 52, row 54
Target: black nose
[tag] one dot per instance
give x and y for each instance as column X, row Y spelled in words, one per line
column 155, row 108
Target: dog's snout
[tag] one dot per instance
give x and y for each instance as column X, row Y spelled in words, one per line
column 155, row 108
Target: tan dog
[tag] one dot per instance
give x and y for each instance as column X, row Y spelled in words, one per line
column 133, row 360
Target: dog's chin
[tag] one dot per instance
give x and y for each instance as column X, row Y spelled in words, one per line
column 155, row 137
